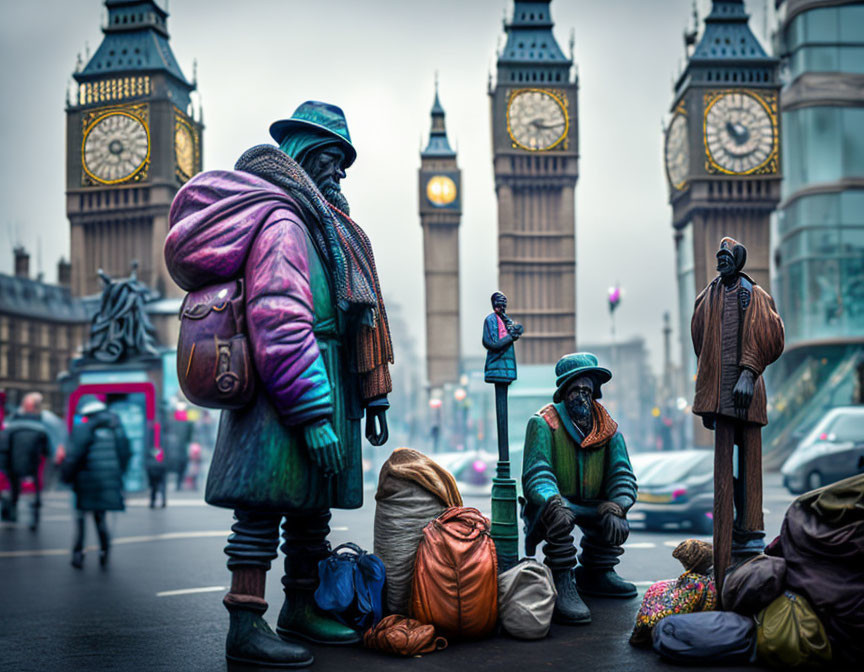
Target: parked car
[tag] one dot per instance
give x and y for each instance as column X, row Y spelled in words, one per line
column 674, row 487
column 833, row 450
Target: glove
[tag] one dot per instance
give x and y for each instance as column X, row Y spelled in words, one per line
column 613, row 524
column 557, row 518
column 376, row 421
column 324, row 447
column 742, row 394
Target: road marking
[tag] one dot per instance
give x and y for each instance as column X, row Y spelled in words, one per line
column 168, row 536
column 641, row 544
column 339, row 529
column 172, row 503
column 190, row 591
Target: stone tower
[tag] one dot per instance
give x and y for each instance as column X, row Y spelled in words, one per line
column 132, row 142
column 535, row 145
column 440, row 201
column 722, row 157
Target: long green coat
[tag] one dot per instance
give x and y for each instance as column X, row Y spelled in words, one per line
column 584, row 471
column 262, row 463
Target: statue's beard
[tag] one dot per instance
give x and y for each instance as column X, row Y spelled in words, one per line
column 335, row 197
column 580, row 411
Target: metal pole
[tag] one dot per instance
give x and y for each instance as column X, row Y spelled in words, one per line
column 505, row 532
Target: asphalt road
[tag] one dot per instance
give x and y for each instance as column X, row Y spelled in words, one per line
column 158, row 605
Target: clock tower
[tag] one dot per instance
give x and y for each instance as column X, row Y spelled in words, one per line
column 722, row 157
column 132, row 142
column 440, row 213
column 535, row 144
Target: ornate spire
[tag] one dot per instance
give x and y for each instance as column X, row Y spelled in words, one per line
column 438, row 144
column 529, row 36
column 136, row 40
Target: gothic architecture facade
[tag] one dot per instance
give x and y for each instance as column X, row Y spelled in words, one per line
column 535, row 144
column 132, row 141
column 722, row 157
column 440, row 198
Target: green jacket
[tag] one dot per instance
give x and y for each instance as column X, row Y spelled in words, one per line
column 261, row 464
column 584, row 471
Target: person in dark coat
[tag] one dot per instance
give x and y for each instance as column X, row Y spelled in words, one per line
column 94, row 466
column 156, row 475
column 23, row 444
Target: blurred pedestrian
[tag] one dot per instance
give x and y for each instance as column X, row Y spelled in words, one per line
column 195, row 459
column 156, row 475
column 23, row 444
column 94, row 466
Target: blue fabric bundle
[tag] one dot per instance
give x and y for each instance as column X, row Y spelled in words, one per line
column 351, row 586
column 707, row 637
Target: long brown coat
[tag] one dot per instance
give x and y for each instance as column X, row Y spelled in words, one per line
column 762, row 340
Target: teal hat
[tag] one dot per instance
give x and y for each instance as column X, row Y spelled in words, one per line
column 570, row 367
column 321, row 117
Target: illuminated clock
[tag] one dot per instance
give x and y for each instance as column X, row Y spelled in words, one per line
column 740, row 133
column 116, row 146
column 677, row 152
column 184, row 149
column 536, row 119
column 441, row 190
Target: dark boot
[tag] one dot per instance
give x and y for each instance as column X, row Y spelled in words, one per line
column 250, row 640
column 78, row 548
column 560, row 557
column 603, row 582
column 569, row 607
column 305, row 544
column 34, row 516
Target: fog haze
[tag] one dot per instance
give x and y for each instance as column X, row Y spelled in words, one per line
column 377, row 59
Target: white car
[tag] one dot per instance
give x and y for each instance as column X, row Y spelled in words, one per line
column 833, row 450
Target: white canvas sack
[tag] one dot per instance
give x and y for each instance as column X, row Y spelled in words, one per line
column 526, row 599
column 399, row 522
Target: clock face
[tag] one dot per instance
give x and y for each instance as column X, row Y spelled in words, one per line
column 677, row 152
column 739, row 133
column 116, row 146
column 184, row 149
column 440, row 190
column 536, row 119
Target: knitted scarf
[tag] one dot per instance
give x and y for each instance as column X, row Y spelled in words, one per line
column 348, row 256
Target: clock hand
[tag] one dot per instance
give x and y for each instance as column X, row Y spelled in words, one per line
column 738, row 132
column 538, row 123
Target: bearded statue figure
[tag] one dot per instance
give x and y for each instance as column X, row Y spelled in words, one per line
column 321, row 346
column 737, row 333
column 576, row 471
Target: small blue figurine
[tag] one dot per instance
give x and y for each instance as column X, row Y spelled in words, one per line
column 499, row 334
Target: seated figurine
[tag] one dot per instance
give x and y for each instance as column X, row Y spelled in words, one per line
column 576, row 471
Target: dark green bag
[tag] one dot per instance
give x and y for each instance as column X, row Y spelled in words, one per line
column 789, row 635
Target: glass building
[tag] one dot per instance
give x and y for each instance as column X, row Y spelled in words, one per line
column 819, row 230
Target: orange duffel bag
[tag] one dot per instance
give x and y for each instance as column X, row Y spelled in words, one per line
column 456, row 575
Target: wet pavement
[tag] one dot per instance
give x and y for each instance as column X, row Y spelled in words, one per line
column 158, row 604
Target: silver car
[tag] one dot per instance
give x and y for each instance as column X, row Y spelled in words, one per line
column 833, row 450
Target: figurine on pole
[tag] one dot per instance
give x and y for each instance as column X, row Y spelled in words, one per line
column 736, row 334
column 499, row 335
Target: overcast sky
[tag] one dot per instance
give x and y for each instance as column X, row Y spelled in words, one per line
column 259, row 59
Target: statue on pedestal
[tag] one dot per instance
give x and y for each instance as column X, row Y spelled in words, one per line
column 736, row 334
column 499, row 335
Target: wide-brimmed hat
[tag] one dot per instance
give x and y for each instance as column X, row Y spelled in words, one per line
column 313, row 114
column 570, row 367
